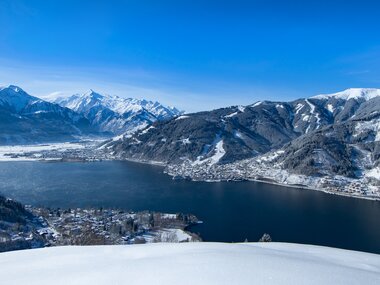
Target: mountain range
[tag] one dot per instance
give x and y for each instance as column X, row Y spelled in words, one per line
column 331, row 140
column 333, row 134
column 117, row 115
column 25, row 119
column 247, row 131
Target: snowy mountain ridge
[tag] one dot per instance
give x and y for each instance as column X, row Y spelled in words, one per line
column 15, row 97
column 332, row 143
column 81, row 115
column 27, row 119
column 352, row 93
column 115, row 114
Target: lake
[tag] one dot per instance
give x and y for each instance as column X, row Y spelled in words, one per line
column 231, row 211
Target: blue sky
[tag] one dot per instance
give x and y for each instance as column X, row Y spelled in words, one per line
column 196, row 55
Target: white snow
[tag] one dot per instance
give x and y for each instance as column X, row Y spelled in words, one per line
column 352, row 93
column 128, row 114
column 231, row 115
column 190, row 263
column 374, row 173
column 241, row 108
column 299, row 107
column 238, row 134
column 279, row 106
column 21, row 149
column 373, row 125
column 257, row 104
column 174, row 235
column 312, row 111
column 219, row 152
column 117, row 138
column 17, row 98
column 312, row 107
column 186, row 141
column 270, row 157
column 144, row 131
column 330, row 108
column 182, row 117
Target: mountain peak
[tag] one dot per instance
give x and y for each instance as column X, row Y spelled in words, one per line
column 91, row 93
column 117, row 114
column 14, row 88
column 352, row 93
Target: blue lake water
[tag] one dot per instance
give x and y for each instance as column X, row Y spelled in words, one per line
column 231, row 211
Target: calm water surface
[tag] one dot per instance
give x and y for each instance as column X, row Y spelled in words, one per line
column 231, row 211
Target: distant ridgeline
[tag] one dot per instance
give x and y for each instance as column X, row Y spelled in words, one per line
column 78, row 116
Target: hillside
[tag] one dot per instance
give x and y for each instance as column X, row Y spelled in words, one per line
column 198, row 263
column 333, row 136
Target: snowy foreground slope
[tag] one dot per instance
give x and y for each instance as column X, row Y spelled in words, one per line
column 199, row 263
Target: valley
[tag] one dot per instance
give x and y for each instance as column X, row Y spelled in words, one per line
column 326, row 142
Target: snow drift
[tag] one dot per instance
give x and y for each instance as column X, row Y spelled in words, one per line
column 200, row 263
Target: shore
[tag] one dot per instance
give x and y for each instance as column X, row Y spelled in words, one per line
column 86, row 152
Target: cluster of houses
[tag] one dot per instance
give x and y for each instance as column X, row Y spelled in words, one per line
column 109, row 226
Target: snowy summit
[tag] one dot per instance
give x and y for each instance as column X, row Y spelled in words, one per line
column 115, row 114
column 352, row 93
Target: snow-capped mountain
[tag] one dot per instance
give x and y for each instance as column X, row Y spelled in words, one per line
column 28, row 119
column 245, row 131
column 337, row 134
column 115, row 114
column 352, row 93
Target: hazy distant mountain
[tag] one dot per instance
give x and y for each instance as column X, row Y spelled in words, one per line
column 115, row 114
column 28, row 119
column 337, row 133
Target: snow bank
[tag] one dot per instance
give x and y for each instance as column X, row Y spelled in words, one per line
column 199, row 263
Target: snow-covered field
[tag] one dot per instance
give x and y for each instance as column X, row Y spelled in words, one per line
column 199, row 263
column 15, row 150
column 47, row 151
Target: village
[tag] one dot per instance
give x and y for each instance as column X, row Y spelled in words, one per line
column 23, row 227
column 108, row 226
column 251, row 170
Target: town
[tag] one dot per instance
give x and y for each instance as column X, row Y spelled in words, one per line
column 23, row 227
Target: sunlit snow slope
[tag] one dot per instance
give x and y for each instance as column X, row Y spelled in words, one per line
column 200, row 263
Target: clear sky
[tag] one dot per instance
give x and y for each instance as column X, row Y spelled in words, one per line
column 196, row 55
